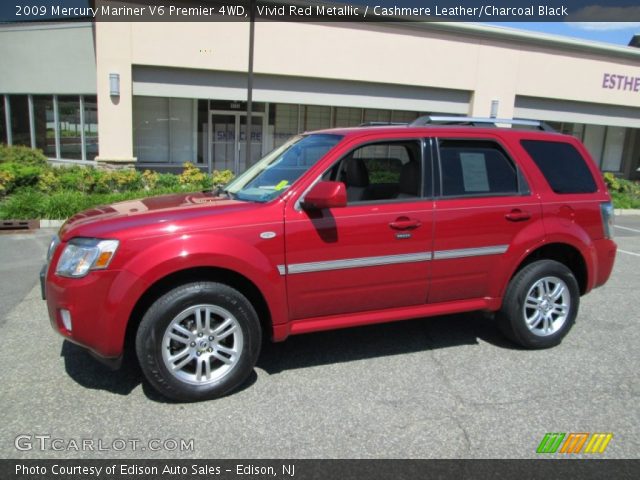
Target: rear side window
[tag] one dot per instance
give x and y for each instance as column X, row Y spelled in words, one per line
column 562, row 165
column 476, row 168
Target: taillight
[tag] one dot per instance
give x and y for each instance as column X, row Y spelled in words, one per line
column 606, row 209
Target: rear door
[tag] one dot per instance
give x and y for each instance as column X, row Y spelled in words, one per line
column 374, row 253
column 484, row 214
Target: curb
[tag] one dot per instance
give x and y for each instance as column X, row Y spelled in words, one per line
column 627, row 211
column 51, row 223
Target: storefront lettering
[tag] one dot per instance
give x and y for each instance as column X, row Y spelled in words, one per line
column 230, row 136
column 621, row 82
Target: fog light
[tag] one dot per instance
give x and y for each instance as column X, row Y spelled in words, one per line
column 65, row 315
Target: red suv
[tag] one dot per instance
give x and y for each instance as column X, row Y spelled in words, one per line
column 338, row 228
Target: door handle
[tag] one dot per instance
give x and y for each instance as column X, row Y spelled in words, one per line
column 517, row 215
column 405, row 223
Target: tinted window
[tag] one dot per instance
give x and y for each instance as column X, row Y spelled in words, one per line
column 381, row 171
column 562, row 166
column 471, row 167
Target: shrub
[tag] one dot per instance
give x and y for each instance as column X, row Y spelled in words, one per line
column 191, row 175
column 7, row 181
column 127, row 180
column 76, row 178
column 24, row 175
column 24, row 205
column 150, row 179
column 168, row 180
column 49, row 182
column 65, row 204
column 220, row 178
column 625, row 193
column 22, row 155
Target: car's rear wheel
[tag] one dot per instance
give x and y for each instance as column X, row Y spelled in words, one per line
column 198, row 341
column 540, row 305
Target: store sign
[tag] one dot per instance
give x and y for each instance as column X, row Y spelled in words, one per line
column 614, row 81
column 227, row 135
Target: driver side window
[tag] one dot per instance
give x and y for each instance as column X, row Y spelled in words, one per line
column 384, row 171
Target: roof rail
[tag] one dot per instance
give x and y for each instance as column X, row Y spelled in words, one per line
column 381, row 124
column 479, row 121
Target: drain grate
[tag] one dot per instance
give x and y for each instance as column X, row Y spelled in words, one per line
column 19, row 224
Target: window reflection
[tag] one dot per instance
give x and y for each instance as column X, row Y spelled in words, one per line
column 91, row 126
column 44, row 124
column 70, row 127
column 20, row 133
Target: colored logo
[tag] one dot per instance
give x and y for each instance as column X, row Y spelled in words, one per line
column 574, row 443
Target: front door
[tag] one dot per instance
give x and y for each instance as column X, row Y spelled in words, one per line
column 228, row 134
column 372, row 254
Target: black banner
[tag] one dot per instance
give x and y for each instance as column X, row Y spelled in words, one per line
column 318, row 469
column 322, row 10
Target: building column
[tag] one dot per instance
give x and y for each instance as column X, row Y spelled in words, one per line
column 496, row 77
column 115, row 118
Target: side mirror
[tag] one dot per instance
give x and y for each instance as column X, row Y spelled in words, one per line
column 325, row 195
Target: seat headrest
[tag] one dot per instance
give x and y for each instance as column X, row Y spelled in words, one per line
column 410, row 179
column 356, row 173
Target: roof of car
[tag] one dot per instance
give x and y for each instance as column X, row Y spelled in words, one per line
column 450, row 124
column 422, row 129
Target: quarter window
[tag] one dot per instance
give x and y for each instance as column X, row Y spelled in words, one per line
column 562, row 165
column 476, row 168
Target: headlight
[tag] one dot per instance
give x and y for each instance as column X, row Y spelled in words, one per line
column 84, row 254
column 55, row 241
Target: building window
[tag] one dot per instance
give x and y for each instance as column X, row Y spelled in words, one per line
column 55, row 125
column 374, row 115
column 70, row 127
column 164, row 130
column 203, row 130
column 594, row 140
column 91, row 126
column 606, row 146
column 285, row 126
column 347, row 117
column 19, row 110
column 613, row 149
column 3, row 122
column 400, row 116
column 44, row 124
column 315, row 118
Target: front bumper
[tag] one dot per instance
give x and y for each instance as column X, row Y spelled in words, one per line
column 95, row 312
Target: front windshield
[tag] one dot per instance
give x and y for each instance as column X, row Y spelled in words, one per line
column 276, row 172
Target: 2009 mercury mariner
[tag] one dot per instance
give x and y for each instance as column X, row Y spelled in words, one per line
column 338, row 228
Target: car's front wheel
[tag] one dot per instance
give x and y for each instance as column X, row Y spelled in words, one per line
column 540, row 305
column 198, row 341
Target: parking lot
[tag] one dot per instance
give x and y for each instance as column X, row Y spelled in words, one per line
column 444, row 387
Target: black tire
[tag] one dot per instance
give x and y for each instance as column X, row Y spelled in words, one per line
column 531, row 280
column 200, row 304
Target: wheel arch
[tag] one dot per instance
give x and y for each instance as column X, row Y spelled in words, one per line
column 563, row 253
column 205, row 273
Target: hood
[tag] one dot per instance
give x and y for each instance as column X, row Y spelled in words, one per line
column 107, row 220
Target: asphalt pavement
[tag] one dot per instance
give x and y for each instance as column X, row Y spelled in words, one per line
column 445, row 387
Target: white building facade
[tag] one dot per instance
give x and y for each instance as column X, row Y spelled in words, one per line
column 156, row 95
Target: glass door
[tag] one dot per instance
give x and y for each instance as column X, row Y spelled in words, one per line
column 255, row 138
column 223, row 141
column 228, row 135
